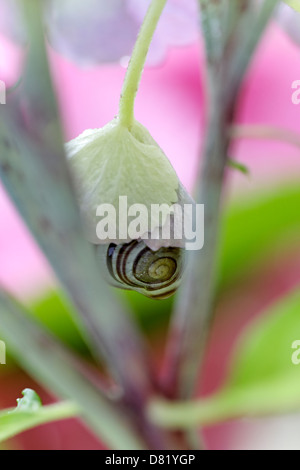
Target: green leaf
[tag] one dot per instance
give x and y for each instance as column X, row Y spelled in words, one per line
column 265, row 350
column 293, row 4
column 50, row 364
column 263, row 378
column 55, row 312
column 30, row 413
column 254, row 228
column 238, row 166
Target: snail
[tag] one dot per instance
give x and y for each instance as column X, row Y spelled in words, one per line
column 134, row 266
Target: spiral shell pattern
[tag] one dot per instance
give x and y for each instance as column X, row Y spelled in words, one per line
column 135, row 266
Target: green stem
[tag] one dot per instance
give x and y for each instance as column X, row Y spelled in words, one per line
column 59, row 411
column 137, row 62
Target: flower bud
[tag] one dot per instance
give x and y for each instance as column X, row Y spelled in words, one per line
column 116, row 161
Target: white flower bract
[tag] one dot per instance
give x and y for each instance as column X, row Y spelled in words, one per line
column 114, row 161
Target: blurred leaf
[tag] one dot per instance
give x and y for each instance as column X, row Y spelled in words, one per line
column 57, row 314
column 149, row 313
column 34, row 171
column 238, row 166
column 294, row 4
column 52, row 365
column 54, row 311
column 30, row 413
column 254, row 228
column 263, row 379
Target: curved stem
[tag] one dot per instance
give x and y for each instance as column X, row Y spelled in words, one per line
column 137, row 62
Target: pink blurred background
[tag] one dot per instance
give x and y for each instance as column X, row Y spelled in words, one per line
column 171, row 105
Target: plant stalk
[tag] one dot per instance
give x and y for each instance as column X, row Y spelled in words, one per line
column 226, row 66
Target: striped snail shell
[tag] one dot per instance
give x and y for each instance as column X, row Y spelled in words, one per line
column 134, row 266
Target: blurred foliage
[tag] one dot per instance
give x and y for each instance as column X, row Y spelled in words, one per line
column 30, row 413
column 262, row 377
column 264, row 352
column 262, row 380
column 294, row 4
column 253, row 230
column 55, row 312
column 238, row 166
column 268, row 222
column 53, row 366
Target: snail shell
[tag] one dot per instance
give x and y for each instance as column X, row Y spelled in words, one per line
column 134, row 266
